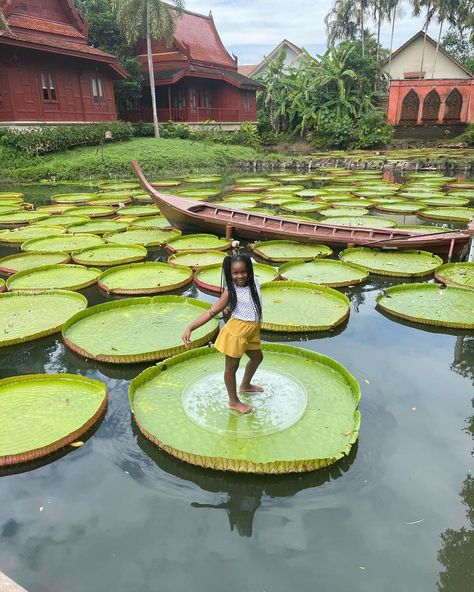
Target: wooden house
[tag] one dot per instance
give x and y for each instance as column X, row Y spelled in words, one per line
column 428, row 86
column 196, row 79
column 48, row 72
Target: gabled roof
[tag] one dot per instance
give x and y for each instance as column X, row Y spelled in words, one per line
column 434, row 44
column 274, row 55
column 197, row 36
column 68, row 5
column 247, row 69
column 232, row 77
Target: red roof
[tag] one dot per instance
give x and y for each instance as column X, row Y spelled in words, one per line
column 247, row 69
column 36, row 24
column 197, row 35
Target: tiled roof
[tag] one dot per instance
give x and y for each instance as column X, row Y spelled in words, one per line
column 230, row 76
column 247, row 69
column 40, row 25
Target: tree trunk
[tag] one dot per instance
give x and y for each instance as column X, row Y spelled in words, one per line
column 424, row 37
column 362, row 32
column 151, row 74
column 379, row 23
column 394, row 16
column 437, row 47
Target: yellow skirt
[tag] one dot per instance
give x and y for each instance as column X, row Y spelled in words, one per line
column 237, row 336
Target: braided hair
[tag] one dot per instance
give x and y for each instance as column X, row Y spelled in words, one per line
column 227, row 282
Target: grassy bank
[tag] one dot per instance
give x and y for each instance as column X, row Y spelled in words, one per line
column 155, row 156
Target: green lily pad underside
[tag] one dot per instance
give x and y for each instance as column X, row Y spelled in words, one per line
column 151, row 277
column 42, row 413
column 24, row 317
column 393, row 263
column 63, row 277
column 147, row 237
column 281, row 250
column 430, row 304
column 209, row 277
column 108, row 254
column 199, row 242
column 457, row 274
column 301, row 306
column 197, row 259
column 137, row 329
column 325, row 272
column 360, row 221
column 325, row 432
column 64, row 243
column 20, row 235
column 24, row 261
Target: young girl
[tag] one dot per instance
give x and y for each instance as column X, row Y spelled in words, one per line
column 241, row 333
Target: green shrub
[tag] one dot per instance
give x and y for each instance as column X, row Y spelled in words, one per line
column 46, row 139
column 468, row 135
column 334, row 130
column 372, row 129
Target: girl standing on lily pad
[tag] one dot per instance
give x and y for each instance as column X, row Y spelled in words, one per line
column 241, row 334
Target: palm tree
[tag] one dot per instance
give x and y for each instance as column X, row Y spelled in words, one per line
column 392, row 11
column 152, row 20
column 418, row 6
column 342, row 22
column 446, row 10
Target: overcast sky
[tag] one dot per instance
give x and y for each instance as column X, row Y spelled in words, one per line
column 252, row 28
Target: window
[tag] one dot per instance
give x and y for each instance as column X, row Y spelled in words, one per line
column 98, row 93
column 247, row 101
column 48, row 87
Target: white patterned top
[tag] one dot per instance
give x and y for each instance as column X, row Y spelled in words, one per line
column 245, row 309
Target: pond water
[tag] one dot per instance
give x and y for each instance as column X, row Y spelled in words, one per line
column 395, row 515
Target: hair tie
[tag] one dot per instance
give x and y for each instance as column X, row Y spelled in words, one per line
column 235, row 247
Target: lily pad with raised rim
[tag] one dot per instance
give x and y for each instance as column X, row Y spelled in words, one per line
column 118, row 185
column 198, row 242
column 301, row 306
column 3, row 285
column 92, row 211
column 151, row 277
column 393, row 263
column 359, row 221
column 18, row 236
column 24, row 317
column 445, row 202
column 65, row 243
column 199, row 194
column 325, row 272
column 151, row 222
column 239, row 205
column 430, row 304
column 165, row 183
column 456, row 274
column 137, row 329
column 24, row 261
column 344, row 212
column 9, row 209
column 114, row 201
column 203, row 179
column 60, row 277
column 296, row 206
column 138, row 211
column 401, row 207
column 423, row 229
column 147, row 237
column 452, row 214
column 106, row 255
column 21, row 217
column 42, row 413
column 73, row 198
column 208, row 277
column 283, row 250
column 99, row 227
column 262, row 442
column 196, row 259
column 286, row 189
column 63, row 220
column 11, row 194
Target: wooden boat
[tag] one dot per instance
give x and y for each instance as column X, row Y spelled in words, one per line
column 216, row 218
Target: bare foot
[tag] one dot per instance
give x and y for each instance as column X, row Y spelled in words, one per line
column 250, row 388
column 241, row 407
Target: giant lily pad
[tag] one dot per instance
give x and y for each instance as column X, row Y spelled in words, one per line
column 393, row 263
column 109, row 254
column 239, row 205
column 3, row 286
column 209, row 276
column 42, row 413
column 453, row 214
column 21, row 217
column 147, row 237
column 137, row 329
column 97, row 227
column 196, row 259
column 119, row 185
column 301, row 306
column 165, row 183
column 359, row 221
column 306, row 419
column 283, row 250
column 11, row 194
column 18, row 236
column 66, row 243
column 9, row 209
column 296, row 206
column 430, row 304
column 63, row 220
column 203, row 179
column 92, row 211
column 344, row 212
column 401, row 207
column 198, row 242
column 457, row 274
column 151, row 277
column 54, row 209
column 286, row 189
column 445, row 202
column 64, row 277
column 24, row 261
column 138, row 211
column 423, row 229
column 73, row 198
column 325, row 272
column 199, row 194
column 151, row 222
column 112, row 200
column 24, row 317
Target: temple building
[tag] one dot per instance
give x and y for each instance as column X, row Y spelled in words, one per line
column 48, row 72
column 428, row 86
column 196, row 79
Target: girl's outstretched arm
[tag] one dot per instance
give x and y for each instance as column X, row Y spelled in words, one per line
column 205, row 317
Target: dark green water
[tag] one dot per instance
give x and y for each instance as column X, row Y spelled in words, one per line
column 395, row 516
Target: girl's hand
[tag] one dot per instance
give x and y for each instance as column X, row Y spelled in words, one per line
column 187, row 338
